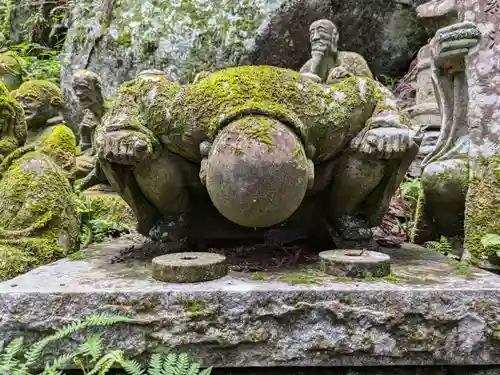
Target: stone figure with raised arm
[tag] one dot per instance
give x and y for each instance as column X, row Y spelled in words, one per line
column 327, row 64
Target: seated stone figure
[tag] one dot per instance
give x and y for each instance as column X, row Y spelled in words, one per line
column 39, row 221
column 43, row 102
column 445, row 172
column 327, row 63
column 11, row 73
column 259, row 146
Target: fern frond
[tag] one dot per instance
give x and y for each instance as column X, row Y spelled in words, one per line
column 155, row 364
column 92, row 347
column 182, row 365
column 63, row 360
column 170, row 364
column 7, row 360
column 105, row 319
column 207, row 371
column 132, row 367
column 194, row 369
column 105, row 363
column 51, row 371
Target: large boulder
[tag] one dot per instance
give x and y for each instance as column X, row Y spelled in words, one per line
column 185, row 37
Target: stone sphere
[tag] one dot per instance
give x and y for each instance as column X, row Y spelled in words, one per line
column 257, row 172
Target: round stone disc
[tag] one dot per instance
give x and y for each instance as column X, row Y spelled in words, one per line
column 355, row 263
column 189, row 267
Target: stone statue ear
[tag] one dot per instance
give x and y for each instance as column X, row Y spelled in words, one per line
column 57, row 103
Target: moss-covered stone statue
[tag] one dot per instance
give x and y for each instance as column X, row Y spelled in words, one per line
column 445, row 172
column 87, row 88
column 327, row 63
column 258, row 146
column 39, row 221
column 11, row 72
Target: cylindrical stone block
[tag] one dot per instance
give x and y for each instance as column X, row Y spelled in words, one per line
column 355, row 263
column 189, row 267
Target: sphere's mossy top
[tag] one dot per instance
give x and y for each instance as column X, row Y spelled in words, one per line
column 39, row 221
column 182, row 117
column 11, row 72
column 482, row 212
column 41, row 90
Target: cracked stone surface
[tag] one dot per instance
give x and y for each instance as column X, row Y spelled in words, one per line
column 430, row 311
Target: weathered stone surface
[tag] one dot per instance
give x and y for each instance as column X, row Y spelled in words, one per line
column 186, row 37
column 428, row 313
column 483, row 77
column 355, row 263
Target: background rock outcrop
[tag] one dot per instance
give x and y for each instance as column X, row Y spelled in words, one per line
column 182, row 37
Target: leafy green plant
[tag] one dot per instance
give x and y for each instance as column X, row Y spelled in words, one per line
column 412, row 193
column 38, row 62
column 442, row 246
column 90, row 356
column 491, row 241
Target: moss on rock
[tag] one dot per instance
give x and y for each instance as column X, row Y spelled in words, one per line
column 324, row 116
column 45, row 91
column 482, row 209
column 12, row 125
column 39, row 221
column 110, row 206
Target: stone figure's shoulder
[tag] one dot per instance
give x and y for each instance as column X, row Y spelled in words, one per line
column 355, row 63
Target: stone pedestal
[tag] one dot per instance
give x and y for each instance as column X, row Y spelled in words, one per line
column 429, row 311
column 483, row 76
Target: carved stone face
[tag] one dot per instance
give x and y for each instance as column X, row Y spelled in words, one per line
column 36, row 112
column 84, row 95
column 323, row 36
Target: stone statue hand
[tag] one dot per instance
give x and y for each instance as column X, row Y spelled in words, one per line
column 383, row 143
column 337, row 74
column 452, row 43
column 126, row 147
column 312, row 76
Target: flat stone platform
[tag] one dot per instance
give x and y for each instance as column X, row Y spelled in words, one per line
column 429, row 311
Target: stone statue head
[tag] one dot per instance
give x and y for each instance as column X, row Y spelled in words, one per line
column 11, row 73
column 87, row 88
column 324, row 36
column 41, row 101
column 13, row 130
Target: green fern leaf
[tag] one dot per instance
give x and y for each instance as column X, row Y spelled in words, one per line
column 92, row 347
column 170, row 364
column 182, row 365
column 132, row 367
column 155, row 364
column 7, row 360
column 194, row 369
column 105, row 363
column 63, row 360
column 207, row 371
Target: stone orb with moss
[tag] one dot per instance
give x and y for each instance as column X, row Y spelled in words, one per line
column 255, row 148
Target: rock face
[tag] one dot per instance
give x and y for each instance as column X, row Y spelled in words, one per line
column 429, row 312
column 483, row 72
column 185, row 37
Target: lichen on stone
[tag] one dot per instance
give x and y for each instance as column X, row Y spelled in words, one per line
column 44, row 91
column 482, row 211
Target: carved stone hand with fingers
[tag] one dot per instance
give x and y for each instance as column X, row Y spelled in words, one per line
column 383, row 143
column 126, row 147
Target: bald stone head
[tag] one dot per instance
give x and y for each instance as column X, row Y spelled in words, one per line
column 87, row 88
column 324, row 37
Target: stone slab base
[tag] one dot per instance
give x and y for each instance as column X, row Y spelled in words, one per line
column 429, row 311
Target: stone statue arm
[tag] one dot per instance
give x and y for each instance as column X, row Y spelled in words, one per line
column 123, row 136
column 388, row 133
column 449, row 47
column 308, row 71
column 350, row 64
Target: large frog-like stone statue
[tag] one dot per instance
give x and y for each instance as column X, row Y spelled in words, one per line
column 259, row 144
column 327, row 63
column 39, row 221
